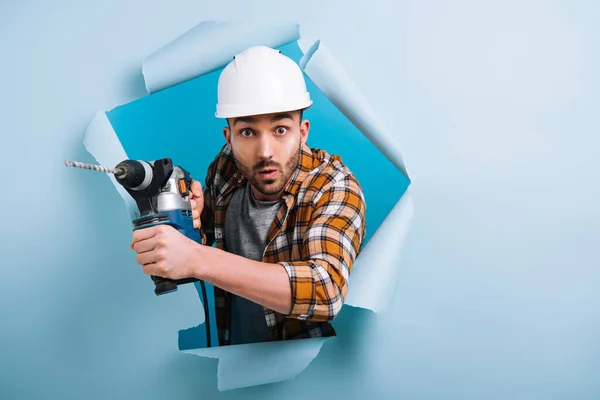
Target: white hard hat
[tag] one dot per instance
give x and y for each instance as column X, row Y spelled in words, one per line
column 261, row 80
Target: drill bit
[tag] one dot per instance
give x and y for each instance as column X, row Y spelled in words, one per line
column 100, row 168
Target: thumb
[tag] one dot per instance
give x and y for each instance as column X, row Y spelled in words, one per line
column 196, row 188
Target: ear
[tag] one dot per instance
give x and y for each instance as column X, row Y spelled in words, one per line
column 227, row 135
column 304, row 128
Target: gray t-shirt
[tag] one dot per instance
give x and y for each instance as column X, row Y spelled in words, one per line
column 247, row 224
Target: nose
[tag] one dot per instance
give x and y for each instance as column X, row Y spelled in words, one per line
column 266, row 147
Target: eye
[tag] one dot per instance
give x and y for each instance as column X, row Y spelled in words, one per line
column 246, row 132
column 281, row 130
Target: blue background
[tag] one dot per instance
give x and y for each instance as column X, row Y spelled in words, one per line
column 495, row 105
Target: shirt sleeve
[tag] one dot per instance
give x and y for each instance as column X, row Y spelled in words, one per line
column 332, row 241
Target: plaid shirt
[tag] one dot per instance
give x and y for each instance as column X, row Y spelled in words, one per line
column 316, row 235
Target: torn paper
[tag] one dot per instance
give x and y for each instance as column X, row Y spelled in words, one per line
column 330, row 77
column 209, row 46
column 375, row 273
column 381, row 258
column 102, row 143
column 262, row 363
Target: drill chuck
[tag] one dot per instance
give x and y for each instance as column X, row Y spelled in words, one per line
column 133, row 174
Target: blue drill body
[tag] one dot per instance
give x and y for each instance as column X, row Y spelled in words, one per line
column 178, row 219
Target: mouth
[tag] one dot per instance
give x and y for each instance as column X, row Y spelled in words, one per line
column 267, row 173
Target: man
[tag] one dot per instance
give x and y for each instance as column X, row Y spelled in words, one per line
column 288, row 221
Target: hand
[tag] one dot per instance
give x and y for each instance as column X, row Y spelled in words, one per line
column 197, row 200
column 163, row 251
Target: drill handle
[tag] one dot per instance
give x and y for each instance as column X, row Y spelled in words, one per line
column 164, row 285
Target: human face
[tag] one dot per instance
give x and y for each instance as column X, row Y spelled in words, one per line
column 266, row 149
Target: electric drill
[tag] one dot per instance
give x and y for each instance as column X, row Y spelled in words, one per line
column 161, row 192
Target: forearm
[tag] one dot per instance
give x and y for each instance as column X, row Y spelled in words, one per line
column 264, row 283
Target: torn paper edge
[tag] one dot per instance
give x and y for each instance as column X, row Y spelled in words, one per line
column 381, row 257
column 375, row 272
column 277, row 361
column 208, row 46
column 102, row 142
column 317, row 64
column 331, row 78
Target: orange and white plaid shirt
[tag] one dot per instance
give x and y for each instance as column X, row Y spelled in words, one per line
column 316, row 236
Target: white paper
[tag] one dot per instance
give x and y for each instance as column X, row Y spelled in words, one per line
column 209, row 46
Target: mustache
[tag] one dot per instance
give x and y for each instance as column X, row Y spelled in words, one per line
column 265, row 164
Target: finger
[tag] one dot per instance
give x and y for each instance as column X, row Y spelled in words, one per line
column 140, row 235
column 149, row 257
column 196, row 223
column 196, row 188
column 144, row 246
column 193, row 204
column 145, row 233
column 155, row 268
column 150, row 269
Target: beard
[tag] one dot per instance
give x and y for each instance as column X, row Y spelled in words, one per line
column 270, row 187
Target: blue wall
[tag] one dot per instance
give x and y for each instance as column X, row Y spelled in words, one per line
column 496, row 107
